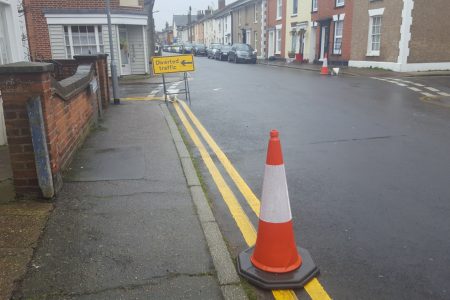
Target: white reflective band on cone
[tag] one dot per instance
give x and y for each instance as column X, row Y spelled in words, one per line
column 275, row 207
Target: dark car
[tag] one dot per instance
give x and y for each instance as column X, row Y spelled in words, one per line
column 186, row 48
column 199, row 50
column 242, row 53
column 211, row 51
column 158, row 50
column 222, row 52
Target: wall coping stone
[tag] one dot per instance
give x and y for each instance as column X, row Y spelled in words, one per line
column 73, row 85
column 24, row 67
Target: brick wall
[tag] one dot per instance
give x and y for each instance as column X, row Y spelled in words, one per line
column 67, row 121
column 430, row 39
column 390, row 30
column 38, row 36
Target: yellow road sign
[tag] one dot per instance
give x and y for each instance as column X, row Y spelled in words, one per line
column 173, row 64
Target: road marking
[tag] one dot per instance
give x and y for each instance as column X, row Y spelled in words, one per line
column 313, row 288
column 218, row 89
column 428, row 95
column 432, row 89
column 143, row 99
column 241, row 219
column 245, row 190
column 400, row 84
column 414, row 89
column 444, row 94
column 418, row 84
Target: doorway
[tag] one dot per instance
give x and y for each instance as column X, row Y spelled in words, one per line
column 323, row 42
column 124, row 51
column 271, row 51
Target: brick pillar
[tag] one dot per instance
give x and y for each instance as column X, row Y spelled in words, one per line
column 18, row 83
column 101, row 68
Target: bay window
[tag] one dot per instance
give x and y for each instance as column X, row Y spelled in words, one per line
column 83, row 40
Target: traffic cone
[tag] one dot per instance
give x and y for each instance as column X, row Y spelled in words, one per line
column 275, row 262
column 324, row 70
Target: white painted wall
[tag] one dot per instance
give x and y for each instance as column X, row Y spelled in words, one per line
column 15, row 44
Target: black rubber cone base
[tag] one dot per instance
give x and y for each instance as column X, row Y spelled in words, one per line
column 266, row 280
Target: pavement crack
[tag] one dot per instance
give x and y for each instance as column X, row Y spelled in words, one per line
column 152, row 281
column 356, row 139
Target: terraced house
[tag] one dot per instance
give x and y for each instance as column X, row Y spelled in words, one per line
column 248, row 23
column 60, row 29
column 276, row 29
column 300, row 39
column 333, row 29
column 398, row 34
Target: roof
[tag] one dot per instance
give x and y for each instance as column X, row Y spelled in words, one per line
column 182, row 20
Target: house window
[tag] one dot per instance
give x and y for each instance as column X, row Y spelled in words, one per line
column 82, row 40
column 279, row 9
column 340, row 3
column 338, row 30
column 295, row 7
column 4, row 48
column 256, row 13
column 315, row 5
column 239, row 17
column 294, row 42
column 256, row 40
column 278, row 41
column 374, row 36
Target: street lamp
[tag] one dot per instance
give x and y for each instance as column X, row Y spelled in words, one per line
column 113, row 62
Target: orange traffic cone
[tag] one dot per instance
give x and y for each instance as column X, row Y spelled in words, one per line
column 324, row 70
column 275, row 262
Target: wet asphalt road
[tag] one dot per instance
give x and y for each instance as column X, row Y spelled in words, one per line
column 368, row 170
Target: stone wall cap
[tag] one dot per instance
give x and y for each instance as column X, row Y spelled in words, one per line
column 90, row 56
column 26, row 67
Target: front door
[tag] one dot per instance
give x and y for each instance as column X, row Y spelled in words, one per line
column 271, row 51
column 323, row 42
column 124, row 52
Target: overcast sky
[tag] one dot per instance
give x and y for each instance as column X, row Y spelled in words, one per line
column 168, row 8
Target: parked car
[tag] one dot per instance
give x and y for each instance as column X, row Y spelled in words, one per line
column 212, row 50
column 222, row 52
column 199, row 49
column 186, row 48
column 242, row 53
column 166, row 48
column 176, row 48
column 158, row 50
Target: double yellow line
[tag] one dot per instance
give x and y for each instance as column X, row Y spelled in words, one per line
column 313, row 288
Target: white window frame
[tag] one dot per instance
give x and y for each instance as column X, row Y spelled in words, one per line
column 239, row 17
column 255, row 38
column 294, row 5
column 278, row 39
column 71, row 45
column 129, row 3
column 5, row 54
column 336, row 36
column 340, row 3
column 315, row 5
column 256, row 13
column 279, row 9
column 374, row 13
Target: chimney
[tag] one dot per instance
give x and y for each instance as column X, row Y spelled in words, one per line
column 221, row 4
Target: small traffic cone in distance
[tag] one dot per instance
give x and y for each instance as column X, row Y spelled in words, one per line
column 324, row 70
column 275, row 262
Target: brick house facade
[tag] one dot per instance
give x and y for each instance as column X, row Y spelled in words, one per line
column 276, row 28
column 397, row 35
column 60, row 29
column 333, row 28
column 247, row 24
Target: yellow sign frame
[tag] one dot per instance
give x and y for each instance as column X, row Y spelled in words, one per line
column 173, row 64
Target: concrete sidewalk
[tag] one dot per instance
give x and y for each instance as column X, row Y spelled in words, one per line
column 368, row 72
column 132, row 221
